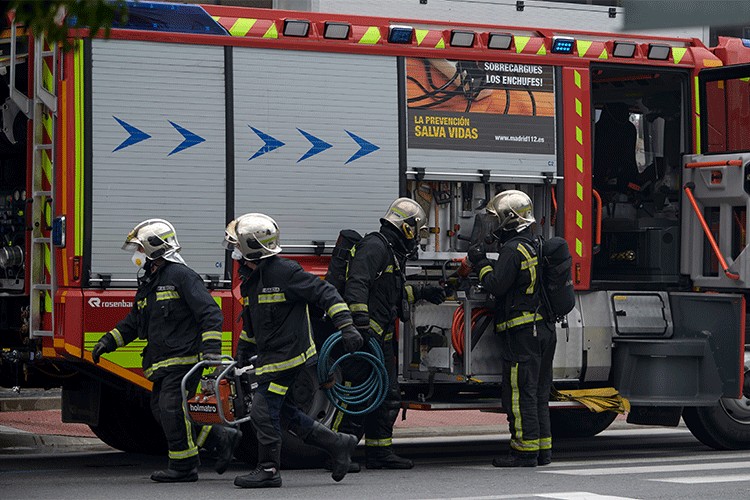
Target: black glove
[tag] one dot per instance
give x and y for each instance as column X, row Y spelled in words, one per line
column 477, row 254
column 211, row 356
column 243, row 356
column 351, row 338
column 434, row 294
column 104, row 345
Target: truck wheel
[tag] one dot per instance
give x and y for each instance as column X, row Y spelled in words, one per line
column 579, row 423
column 305, row 393
column 725, row 426
column 126, row 422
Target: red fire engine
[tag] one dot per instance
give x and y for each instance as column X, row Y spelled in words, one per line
column 632, row 147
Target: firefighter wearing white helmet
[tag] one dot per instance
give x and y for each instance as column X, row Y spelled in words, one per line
column 182, row 323
column 527, row 339
column 378, row 295
column 277, row 293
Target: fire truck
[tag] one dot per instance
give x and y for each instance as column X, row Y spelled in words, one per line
column 633, row 148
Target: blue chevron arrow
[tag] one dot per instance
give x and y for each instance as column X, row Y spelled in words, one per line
column 271, row 143
column 136, row 135
column 365, row 147
column 191, row 139
column 318, row 145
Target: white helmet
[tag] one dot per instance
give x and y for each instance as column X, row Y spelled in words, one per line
column 513, row 210
column 408, row 217
column 255, row 235
column 156, row 238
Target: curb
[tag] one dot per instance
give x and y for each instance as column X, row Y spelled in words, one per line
column 14, row 441
column 23, row 403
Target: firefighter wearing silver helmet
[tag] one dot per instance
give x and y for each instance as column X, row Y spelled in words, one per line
column 277, row 294
column 182, row 323
column 378, row 295
column 527, row 339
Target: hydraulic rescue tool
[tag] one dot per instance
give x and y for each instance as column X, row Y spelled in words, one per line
column 223, row 396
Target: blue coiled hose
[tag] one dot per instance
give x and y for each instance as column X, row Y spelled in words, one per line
column 350, row 399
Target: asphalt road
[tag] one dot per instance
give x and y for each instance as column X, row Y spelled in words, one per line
column 622, row 463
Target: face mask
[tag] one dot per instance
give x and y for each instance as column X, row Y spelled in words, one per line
column 236, row 254
column 138, row 259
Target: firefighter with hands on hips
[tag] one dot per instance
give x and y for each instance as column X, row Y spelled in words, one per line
column 277, row 294
column 527, row 338
column 181, row 322
column 378, row 295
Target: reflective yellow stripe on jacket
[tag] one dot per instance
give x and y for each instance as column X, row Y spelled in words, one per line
column 523, row 319
column 186, row 360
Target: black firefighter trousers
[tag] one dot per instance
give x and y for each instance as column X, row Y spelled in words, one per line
column 166, row 406
column 527, row 354
column 272, row 410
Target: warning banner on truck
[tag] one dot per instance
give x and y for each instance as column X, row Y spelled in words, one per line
column 480, row 106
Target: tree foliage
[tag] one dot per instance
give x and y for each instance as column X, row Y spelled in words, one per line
column 55, row 18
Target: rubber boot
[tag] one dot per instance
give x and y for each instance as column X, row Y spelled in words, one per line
column 544, row 458
column 515, row 460
column 382, row 457
column 175, row 476
column 339, row 446
column 266, row 474
column 223, row 441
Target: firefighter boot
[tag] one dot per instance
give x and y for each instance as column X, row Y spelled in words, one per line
column 266, row 474
column 516, row 460
column 384, row 458
column 175, row 476
column 545, row 457
column 340, row 446
column 223, row 441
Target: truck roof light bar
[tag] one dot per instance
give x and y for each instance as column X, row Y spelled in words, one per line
column 658, row 52
column 296, row 27
column 462, row 38
column 499, row 41
column 562, row 45
column 336, row 31
column 623, row 49
column 400, row 34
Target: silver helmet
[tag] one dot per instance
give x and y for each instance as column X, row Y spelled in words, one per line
column 513, row 209
column 255, row 235
column 155, row 238
column 408, row 217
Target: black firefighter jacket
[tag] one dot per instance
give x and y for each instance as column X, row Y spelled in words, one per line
column 513, row 280
column 375, row 282
column 276, row 317
column 178, row 317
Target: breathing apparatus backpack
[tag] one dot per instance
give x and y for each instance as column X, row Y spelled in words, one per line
column 342, row 253
column 557, row 281
column 555, row 274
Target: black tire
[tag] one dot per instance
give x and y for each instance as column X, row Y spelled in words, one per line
column 126, row 422
column 726, row 425
column 579, row 423
column 721, row 427
column 305, row 393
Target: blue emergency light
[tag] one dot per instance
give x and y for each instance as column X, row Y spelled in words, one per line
column 746, row 42
column 169, row 17
column 562, row 45
column 400, row 34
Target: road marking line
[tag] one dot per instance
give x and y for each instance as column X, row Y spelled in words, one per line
column 649, row 469
column 581, row 495
column 564, row 495
column 642, row 460
column 705, row 479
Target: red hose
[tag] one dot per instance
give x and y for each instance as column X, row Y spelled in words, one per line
column 457, row 327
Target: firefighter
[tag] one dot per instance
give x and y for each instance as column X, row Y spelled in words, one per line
column 182, row 324
column 378, row 295
column 277, row 294
column 527, row 339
